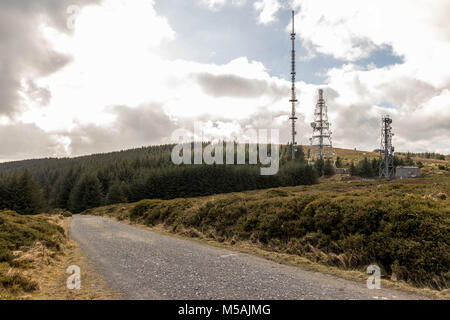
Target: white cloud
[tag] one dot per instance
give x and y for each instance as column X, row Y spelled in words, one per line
column 352, row 29
column 215, row 5
column 268, row 8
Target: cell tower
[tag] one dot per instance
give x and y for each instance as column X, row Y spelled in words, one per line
column 293, row 100
column 321, row 146
column 387, row 150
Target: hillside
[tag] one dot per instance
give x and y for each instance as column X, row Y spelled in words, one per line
column 403, row 226
column 35, row 253
column 159, row 156
column 76, row 184
column 26, row 243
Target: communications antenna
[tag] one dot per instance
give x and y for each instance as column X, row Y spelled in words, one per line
column 293, row 100
column 386, row 166
column 321, row 145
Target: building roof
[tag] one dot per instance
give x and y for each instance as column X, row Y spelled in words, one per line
column 407, row 167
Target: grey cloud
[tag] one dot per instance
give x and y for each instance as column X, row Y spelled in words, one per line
column 356, row 127
column 418, row 128
column 24, row 141
column 408, row 91
column 24, row 54
column 134, row 127
column 54, row 10
column 38, row 94
column 239, row 87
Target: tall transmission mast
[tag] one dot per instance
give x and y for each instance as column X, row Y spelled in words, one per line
column 321, row 145
column 386, row 167
column 293, row 100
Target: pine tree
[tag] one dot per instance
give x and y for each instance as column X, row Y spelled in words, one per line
column 12, row 191
column 299, row 154
column 66, row 187
column 87, row 194
column 353, row 170
column 375, row 165
column 338, row 162
column 328, row 168
column 408, row 160
column 29, row 197
column 2, row 194
column 365, row 168
column 319, row 164
column 116, row 193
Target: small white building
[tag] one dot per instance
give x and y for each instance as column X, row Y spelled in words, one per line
column 341, row 170
column 407, row 172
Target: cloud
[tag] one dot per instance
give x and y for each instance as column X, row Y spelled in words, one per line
column 230, row 85
column 351, row 30
column 98, row 89
column 24, row 53
column 268, row 9
column 25, row 141
column 133, row 127
column 216, row 5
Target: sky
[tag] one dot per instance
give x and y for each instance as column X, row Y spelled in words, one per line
column 89, row 76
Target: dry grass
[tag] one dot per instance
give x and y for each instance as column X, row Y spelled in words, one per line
column 37, row 272
column 52, row 280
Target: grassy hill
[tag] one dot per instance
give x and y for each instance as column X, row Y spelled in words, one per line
column 85, row 182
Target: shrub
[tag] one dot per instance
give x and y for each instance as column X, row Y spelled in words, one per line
column 17, row 231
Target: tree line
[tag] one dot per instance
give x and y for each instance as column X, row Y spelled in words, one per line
column 425, row 155
column 81, row 183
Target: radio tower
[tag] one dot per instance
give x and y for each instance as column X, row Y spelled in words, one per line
column 321, row 146
column 387, row 150
column 293, row 100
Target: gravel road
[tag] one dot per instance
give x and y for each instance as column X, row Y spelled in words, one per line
column 145, row 265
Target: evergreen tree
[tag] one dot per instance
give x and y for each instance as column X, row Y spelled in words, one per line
column 11, row 192
column 87, row 194
column 353, row 169
column 398, row 161
column 299, row 154
column 142, row 173
column 328, row 168
column 409, row 161
column 375, row 165
column 365, row 168
column 66, row 187
column 2, row 194
column 28, row 199
column 318, row 165
column 338, row 162
column 116, row 193
column 47, row 193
